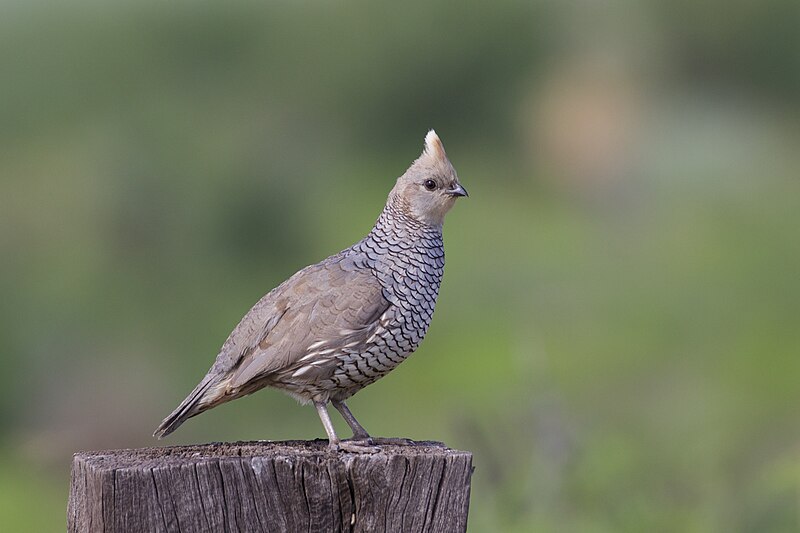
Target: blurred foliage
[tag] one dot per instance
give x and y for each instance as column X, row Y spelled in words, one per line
column 616, row 339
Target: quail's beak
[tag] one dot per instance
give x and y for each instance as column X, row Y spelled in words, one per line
column 457, row 190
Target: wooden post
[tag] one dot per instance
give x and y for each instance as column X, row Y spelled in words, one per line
column 270, row 486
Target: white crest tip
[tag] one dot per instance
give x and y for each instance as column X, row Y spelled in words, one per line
column 430, row 137
column 433, row 145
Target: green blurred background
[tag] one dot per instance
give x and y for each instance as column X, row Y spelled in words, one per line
column 617, row 335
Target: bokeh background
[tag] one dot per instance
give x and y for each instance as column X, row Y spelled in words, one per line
column 617, row 335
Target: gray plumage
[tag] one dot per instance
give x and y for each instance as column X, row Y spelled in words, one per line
column 341, row 324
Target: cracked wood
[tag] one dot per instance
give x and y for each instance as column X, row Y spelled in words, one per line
column 265, row 487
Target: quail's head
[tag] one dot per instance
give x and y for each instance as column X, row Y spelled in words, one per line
column 430, row 186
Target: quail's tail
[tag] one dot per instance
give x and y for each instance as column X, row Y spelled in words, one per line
column 194, row 404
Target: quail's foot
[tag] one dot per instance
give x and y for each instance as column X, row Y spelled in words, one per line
column 395, row 441
column 354, row 446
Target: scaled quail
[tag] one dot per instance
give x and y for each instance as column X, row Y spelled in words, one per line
column 339, row 325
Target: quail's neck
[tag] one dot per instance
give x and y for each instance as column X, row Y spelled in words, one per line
column 395, row 219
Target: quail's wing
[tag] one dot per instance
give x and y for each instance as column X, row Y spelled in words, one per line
column 319, row 311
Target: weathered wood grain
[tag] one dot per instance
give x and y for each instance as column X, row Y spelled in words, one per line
column 270, row 486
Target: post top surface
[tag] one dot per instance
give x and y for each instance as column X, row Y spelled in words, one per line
column 314, row 449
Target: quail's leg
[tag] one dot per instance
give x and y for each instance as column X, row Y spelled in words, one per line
column 359, row 433
column 335, row 443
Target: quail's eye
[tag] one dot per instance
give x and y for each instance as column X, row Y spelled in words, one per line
column 430, row 184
